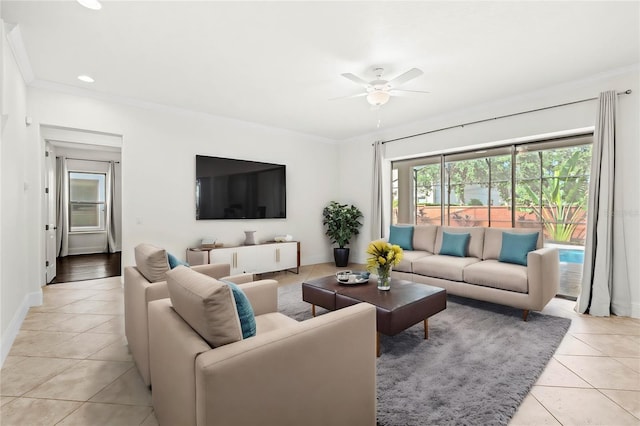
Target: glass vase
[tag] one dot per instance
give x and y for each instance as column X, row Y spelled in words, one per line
column 384, row 278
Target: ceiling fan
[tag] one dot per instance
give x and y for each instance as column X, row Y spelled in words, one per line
column 379, row 91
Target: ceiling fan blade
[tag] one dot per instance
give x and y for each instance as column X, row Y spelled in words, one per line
column 349, row 96
column 407, row 93
column 406, row 90
column 403, row 78
column 355, row 79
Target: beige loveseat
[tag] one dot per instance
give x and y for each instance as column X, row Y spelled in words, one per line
column 146, row 282
column 317, row 372
column 480, row 275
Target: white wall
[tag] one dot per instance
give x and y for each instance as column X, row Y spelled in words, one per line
column 158, row 169
column 20, row 205
column 356, row 186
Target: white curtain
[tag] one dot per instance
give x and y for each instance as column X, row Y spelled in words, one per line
column 598, row 280
column 62, row 207
column 110, row 210
column 376, row 194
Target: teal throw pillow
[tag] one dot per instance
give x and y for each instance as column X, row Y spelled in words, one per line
column 245, row 311
column 455, row 244
column 515, row 247
column 401, row 236
column 174, row 261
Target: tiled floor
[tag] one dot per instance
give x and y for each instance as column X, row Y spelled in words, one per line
column 69, row 365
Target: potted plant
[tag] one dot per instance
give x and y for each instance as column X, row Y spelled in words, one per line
column 342, row 222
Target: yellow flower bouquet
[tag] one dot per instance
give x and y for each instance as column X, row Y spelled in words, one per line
column 383, row 256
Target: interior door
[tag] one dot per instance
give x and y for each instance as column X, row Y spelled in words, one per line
column 50, row 226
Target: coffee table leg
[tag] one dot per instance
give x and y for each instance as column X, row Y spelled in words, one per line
column 313, row 310
column 378, row 344
column 426, row 329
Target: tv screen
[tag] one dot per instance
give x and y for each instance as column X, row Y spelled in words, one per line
column 237, row 189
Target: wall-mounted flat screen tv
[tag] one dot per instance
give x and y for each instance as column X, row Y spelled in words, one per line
column 237, row 189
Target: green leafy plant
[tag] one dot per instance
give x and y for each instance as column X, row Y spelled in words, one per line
column 342, row 222
column 563, row 203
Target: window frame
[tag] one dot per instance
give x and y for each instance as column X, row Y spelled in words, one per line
column 102, row 226
column 512, row 149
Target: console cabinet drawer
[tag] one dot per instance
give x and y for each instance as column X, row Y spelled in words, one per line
column 258, row 259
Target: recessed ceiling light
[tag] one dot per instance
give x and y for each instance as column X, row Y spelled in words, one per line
column 91, row 4
column 85, row 78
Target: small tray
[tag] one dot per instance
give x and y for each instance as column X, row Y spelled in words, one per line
column 360, row 278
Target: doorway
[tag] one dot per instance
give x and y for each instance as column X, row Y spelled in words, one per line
column 82, row 205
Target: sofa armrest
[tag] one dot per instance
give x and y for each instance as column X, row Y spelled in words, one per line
column 174, row 346
column 263, row 295
column 156, row 291
column 214, row 270
column 137, row 294
column 543, row 275
column 239, row 279
column 318, row 372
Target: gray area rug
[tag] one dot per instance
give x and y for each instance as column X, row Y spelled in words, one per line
column 478, row 365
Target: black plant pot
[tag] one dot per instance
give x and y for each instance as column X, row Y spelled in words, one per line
column 341, row 256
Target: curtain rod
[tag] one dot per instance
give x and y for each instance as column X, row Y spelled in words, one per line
column 626, row 92
column 86, row 159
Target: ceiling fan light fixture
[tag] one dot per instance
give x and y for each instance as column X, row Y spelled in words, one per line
column 86, row 78
column 90, row 4
column 378, row 97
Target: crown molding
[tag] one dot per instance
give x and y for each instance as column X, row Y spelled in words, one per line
column 154, row 106
column 14, row 37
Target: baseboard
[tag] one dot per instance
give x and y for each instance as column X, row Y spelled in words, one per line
column 86, row 250
column 30, row 299
column 314, row 260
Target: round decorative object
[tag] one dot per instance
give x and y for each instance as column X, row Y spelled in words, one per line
column 384, row 278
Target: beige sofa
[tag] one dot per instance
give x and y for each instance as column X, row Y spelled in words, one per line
column 317, row 372
column 480, row 275
column 146, row 282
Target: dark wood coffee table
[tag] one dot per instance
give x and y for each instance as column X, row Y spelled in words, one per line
column 406, row 304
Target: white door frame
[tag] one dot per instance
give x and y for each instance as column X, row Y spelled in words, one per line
column 51, row 246
column 57, row 136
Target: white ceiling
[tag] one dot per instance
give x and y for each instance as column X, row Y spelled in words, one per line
column 278, row 63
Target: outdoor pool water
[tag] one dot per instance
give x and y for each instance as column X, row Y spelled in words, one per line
column 571, row 255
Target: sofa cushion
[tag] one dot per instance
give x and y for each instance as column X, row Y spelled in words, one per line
column 174, row 261
column 401, row 236
column 445, row 267
column 244, row 309
column 151, row 261
column 493, row 240
column 492, row 273
column 476, row 241
column 408, row 257
column 206, row 304
column 424, row 237
column 515, row 247
column 454, row 244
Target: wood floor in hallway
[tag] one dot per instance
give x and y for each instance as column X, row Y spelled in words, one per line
column 82, row 267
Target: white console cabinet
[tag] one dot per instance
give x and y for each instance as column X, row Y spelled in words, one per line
column 260, row 258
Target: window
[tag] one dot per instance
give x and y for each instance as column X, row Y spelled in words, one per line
column 539, row 185
column 552, row 186
column 427, row 192
column 86, row 201
column 478, row 188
